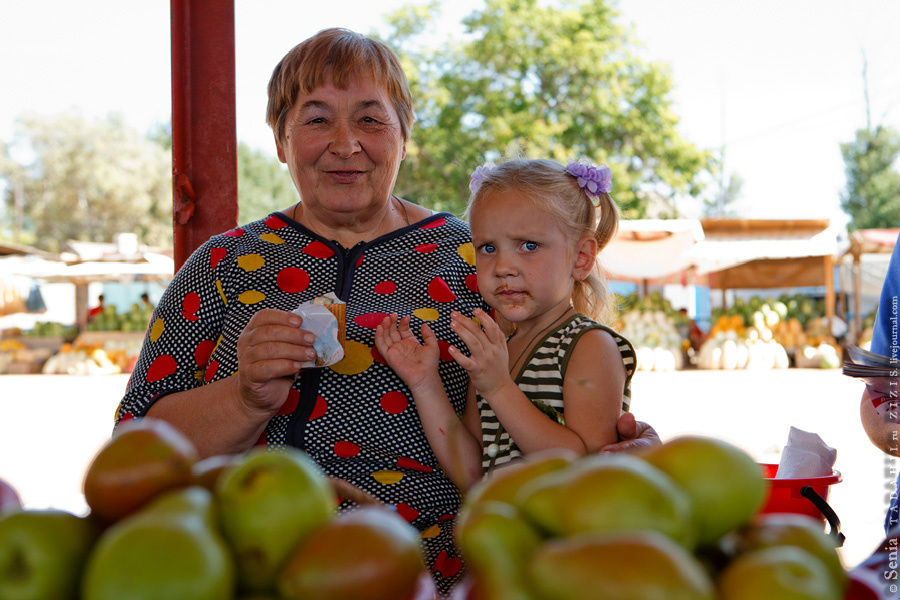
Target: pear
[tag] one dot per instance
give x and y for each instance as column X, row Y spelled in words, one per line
column 497, row 543
column 9, row 499
column 144, row 458
column 168, row 550
column 607, row 493
column 724, row 484
column 801, row 531
column 777, row 573
column 619, row 566
column 503, row 483
column 206, row 472
column 42, row 553
column 269, row 503
column 370, row 553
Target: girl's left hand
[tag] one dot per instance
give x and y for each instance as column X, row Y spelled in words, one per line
column 416, row 364
column 488, row 360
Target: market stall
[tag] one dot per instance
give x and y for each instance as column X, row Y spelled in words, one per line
column 868, row 257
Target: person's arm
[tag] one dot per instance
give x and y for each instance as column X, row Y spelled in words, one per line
column 228, row 416
column 456, row 449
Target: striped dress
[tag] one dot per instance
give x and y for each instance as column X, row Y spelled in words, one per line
column 541, row 379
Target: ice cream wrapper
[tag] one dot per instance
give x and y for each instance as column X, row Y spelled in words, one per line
column 322, row 323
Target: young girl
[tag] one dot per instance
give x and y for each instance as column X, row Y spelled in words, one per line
column 560, row 379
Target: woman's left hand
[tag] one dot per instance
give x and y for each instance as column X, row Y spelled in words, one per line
column 488, row 360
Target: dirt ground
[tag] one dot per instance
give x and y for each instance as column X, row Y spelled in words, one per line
column 51, row 426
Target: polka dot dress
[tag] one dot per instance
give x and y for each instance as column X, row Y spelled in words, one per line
column 356, row 419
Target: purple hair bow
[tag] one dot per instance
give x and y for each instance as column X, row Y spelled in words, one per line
column 593, row 179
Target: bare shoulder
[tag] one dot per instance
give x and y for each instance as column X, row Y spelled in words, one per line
column 594, row 348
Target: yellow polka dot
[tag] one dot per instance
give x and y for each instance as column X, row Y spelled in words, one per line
column 218, row 341
column 431, row 532
column 271, row 238
column 157, row 329
column 357, row 358
column 250, row 262
column 221, row 291
column 387, row 477
column 426, row 314
column 198, row 375
column 251, row 297
column 467, row 252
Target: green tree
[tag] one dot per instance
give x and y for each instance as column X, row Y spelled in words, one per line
column 872, row 193
column 530, row 78
column 263, row 184
column 86, row 180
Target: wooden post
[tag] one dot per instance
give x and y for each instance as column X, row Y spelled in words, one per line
column 857, row 290
column 829, row 291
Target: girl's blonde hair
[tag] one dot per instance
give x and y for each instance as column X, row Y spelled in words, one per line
column 546, row 184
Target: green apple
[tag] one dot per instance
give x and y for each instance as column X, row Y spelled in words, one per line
column 370, row 553
column 619, row 566
column 206, row 472
column 777, row 573
column 497, row 543
column 268, row 503
column 607, row 493
column 42, row 553
column 169, row 549
column 804, row 532
column 724, row 484
column 144, row 458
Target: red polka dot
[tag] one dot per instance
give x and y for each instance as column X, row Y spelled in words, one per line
column 439, row 291
column 274, row 222
column 319, row 409
column 346, row 449
column 263, row 439
column 203, row 351
column 215, row 255
column 234, row 232
column 434, row 224
column 128, row 416
column 162, row 366
column 394, row 402
column 425, row 248
column 376, row 356
column 359, row 261
column 190, row 305
column 408, row 463
column 472, row 282
column 385, row 287
column 446, row 565
column 445, row 351
column 407, row 512
column 446, row 517
column 292, row 280
column 318, row 250
column 370, row 320
column 290, row 405
column 211, row 371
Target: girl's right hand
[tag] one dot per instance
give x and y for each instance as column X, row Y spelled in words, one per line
column 488, row 360
column 270, row 350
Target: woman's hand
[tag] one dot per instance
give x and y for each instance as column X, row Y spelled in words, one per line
column 415, row 363
column 488, row 360
column 270, row 351
column 633, row 435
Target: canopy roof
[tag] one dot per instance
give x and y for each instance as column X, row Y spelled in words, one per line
column 651, row 248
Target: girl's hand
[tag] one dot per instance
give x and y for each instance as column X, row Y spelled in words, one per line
column 270, row 350
column 415, row 363
column 488, row 360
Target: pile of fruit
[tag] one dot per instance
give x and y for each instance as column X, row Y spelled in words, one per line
column 87, row 359
column 651, row 325
column 16, row 357
column 52, row 329
column 165, row 525
column 678, row 522
column 136, row 319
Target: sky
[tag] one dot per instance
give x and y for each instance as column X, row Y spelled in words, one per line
column 777, row 83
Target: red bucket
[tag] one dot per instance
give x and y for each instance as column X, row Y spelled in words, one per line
column 807, row 496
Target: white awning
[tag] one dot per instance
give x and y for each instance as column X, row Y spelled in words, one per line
column 651, row 248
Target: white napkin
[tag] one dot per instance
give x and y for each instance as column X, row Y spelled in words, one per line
column 319, row 321
column 805, row 455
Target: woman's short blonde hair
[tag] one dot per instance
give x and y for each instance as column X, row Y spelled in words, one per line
column 546, row 185
column 343, row 54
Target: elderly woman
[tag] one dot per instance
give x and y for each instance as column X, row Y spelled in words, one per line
column 222, row 359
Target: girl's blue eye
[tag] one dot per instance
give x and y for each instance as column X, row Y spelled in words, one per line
column 530, row 246
column 486, row 249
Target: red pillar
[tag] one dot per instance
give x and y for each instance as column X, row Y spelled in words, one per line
column 204, row 139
